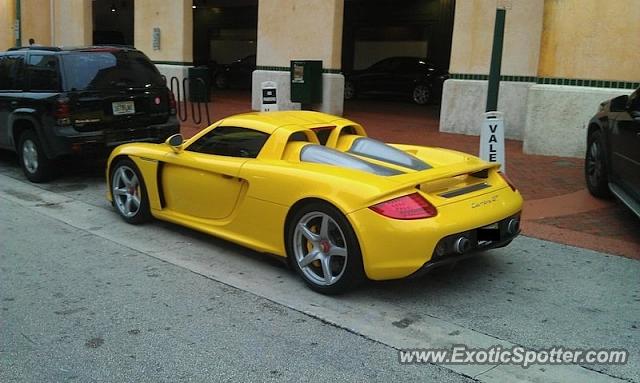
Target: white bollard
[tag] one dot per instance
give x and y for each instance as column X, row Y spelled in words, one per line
column 492, row 139
column 269, row 96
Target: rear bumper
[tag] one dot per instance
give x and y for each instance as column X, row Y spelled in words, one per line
column 68, row 141
column 393, row 249
column 451, row 256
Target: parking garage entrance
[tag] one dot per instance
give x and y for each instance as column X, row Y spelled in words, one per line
column 395, row 55
column 225, row 38
column 225, row 41
column 113, row 22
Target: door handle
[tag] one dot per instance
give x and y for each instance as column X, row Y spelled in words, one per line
column 226, row 176
column 14, row 104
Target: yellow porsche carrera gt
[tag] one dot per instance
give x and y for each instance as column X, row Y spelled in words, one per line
column 312, row 187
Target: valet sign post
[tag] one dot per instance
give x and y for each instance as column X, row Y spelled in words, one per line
column 492, row 139
column 492, row 131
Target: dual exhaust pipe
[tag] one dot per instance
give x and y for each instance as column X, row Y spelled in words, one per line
column 462, row 244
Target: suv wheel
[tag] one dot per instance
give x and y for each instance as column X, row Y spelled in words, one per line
column 35, row 164
column 595, row 169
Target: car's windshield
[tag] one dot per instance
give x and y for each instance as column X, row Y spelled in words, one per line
column 108, row 69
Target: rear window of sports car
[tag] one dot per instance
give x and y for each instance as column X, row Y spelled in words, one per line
column 377, row 150
column 323, row 155
column 230, row 141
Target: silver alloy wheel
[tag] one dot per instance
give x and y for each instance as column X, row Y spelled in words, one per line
column 349, row 90
column 421, row 94
column 594, row 163
column 30, row 156
column 320, row 248
column 126, row 191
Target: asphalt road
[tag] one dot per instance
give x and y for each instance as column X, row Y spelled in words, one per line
column 85, row 296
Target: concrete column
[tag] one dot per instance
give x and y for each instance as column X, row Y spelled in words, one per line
column 36, row 21
column 584, row 43
column 175, row 21
column 72, row 22
column 300, row 30
column 464, row 100
column 7, row 24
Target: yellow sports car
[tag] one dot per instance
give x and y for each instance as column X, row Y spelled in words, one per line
column 313, row 188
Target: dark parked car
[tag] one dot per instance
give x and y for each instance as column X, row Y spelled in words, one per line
column 414, row 77
column 57, row 102
column 235, row 75
column 612, row 162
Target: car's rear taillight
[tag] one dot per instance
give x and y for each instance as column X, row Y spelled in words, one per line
column 508, row 181
column 62, row 111
column 412, row 206
column 172, row 103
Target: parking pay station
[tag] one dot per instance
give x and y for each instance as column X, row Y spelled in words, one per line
column 492, row 139
column 269, row 96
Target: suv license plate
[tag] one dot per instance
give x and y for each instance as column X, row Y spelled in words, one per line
column 123, row 107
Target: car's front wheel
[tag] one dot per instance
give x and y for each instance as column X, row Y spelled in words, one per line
column 595, row 169
column 322, row 247
column 37, row 167
column 421, row 94
column 129, row 193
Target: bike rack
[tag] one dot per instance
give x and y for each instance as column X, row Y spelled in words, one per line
column 180, row 91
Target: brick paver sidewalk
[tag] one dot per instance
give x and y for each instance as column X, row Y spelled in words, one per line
column 557, row 205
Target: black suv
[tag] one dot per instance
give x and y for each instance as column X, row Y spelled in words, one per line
column 57, row 102
column 612, row 161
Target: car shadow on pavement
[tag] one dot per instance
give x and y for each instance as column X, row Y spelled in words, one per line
column 223, row 245
column 72, row 168
column 473, row 271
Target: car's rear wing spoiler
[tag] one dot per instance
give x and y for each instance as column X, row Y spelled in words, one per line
column 477, row 168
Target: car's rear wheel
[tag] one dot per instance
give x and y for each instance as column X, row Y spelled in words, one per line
column 221, row 81
column 421, row 94
column 129, row 193
column 349, row 90
column 323, row 249
column 37, row 167
column 595, row 168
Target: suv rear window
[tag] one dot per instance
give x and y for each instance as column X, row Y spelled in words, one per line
column 11, row 72
column 108, row 69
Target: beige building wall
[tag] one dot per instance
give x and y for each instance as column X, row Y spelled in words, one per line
column 175, row 20
column 591, row 39
column 36, row 21
column 473, row 36
column 300, row 29
column 73, row 23
column 7, row 20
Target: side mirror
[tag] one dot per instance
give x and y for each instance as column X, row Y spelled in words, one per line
column 175, row 141
column 633, row 103
column 619, row 104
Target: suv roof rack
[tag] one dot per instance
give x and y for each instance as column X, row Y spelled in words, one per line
column 36, row 48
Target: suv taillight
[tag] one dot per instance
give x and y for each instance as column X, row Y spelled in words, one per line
column 412, row 206
column 62, row 111
column 172, row 103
